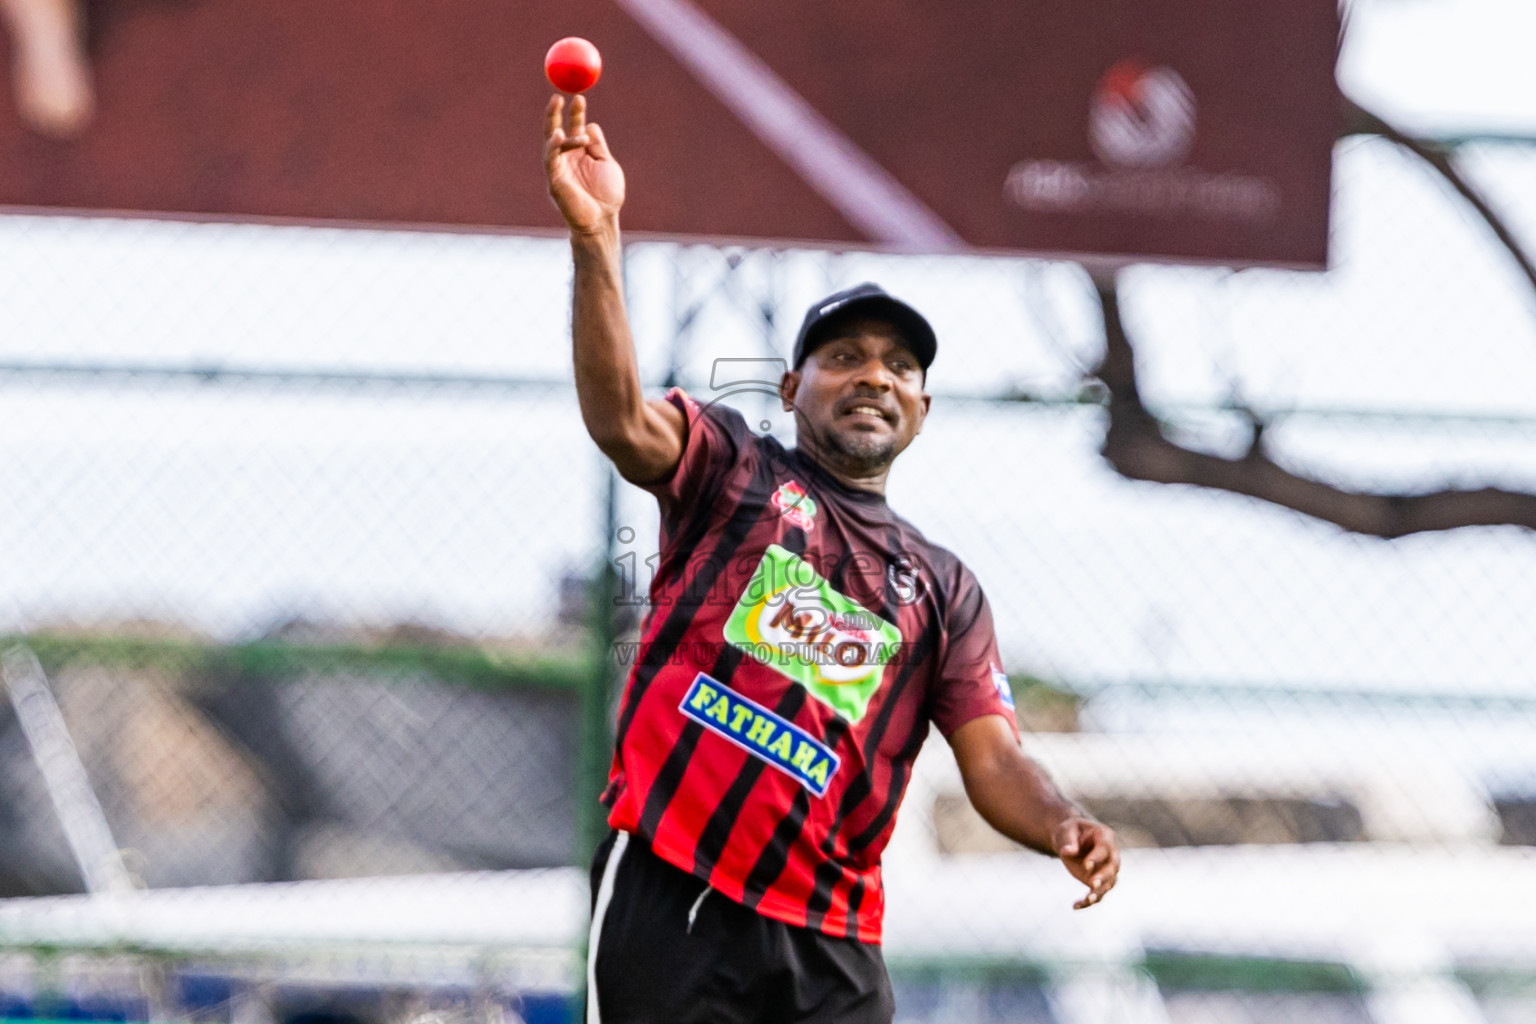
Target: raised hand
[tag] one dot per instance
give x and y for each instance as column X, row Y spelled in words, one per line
column 585, row 181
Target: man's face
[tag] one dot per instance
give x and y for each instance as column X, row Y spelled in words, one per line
column 858, row 397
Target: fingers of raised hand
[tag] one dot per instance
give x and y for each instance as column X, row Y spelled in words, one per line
column 558, row 138
column 554, row 136
column 552, row 115
column 576, row 135
column 599, row 142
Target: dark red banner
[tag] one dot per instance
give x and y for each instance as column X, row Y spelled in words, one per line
column 1182, row 129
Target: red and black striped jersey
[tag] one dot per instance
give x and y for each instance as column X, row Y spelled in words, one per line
column 801, row 637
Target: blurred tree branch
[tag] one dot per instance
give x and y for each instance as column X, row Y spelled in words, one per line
column 1137, row 446
column 1139, row 449
column 1359, row 121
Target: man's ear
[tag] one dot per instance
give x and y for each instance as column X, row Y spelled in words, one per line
column 789, row 386
column 927, row 402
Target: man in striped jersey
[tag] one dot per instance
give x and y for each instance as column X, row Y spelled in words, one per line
column 801, row 639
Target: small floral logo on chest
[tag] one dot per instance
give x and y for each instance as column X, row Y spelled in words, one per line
column 799, row 508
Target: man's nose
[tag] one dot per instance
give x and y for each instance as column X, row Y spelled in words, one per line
column 874, row 373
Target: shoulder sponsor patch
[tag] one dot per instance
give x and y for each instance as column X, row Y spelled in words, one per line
column 760, row 733
column 1004, row 689
column 792, row 620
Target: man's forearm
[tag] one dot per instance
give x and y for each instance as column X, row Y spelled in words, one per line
column 1021, row 802
column 603, row 350
column 1017, row 797
column 644, row 440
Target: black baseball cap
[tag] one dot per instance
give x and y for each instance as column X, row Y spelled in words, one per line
column 867, row 299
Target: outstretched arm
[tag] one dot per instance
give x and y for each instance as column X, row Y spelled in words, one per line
column 644, row 439
column 1017, row 797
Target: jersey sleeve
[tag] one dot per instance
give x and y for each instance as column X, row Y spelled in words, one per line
column 718, row 439
column 971, row 681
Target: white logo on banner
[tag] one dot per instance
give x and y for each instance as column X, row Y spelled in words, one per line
column 1141, row 127
column 1141, row 117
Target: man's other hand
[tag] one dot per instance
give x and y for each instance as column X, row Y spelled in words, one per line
column 585, row 181
column 1091, row 853
column 1016, row 796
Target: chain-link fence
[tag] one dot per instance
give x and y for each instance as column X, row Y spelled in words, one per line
column 304, row 532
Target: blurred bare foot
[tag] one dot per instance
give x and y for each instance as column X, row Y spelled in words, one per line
column 51, row 75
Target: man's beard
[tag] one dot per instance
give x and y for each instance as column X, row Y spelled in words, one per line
column 862, row 453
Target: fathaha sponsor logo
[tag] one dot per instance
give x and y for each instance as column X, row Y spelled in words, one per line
column 760, row 733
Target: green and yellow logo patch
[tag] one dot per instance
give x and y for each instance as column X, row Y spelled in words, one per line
column 792, row 620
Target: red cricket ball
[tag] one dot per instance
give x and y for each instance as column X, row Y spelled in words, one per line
column 573, row 65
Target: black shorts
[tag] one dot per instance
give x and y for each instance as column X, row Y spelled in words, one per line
column 667, row 949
